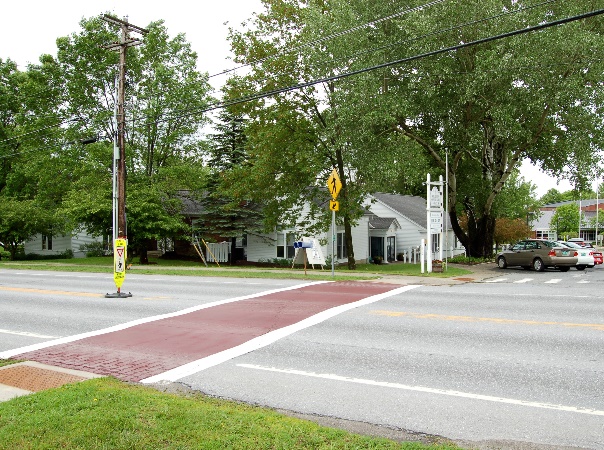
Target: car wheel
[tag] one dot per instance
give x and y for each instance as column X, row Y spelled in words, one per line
column 566, row 269
column 580, row 267
column 501, row 262
column 538, row 265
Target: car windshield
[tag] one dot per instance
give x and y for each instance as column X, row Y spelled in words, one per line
column 570, row 244
column 550, row 244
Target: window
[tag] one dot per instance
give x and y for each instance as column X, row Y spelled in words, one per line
column 285, row 245
column 341, row 250
column 46, row 242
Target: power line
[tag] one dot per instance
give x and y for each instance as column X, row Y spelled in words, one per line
column 332, row 36
column 298, row 86
column 271, row 93
column 433, row 33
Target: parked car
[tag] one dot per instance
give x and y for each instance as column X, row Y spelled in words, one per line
column 537, row 254
column 585, row 255
column 596, row 253
column 578, row 241
column 597, row 256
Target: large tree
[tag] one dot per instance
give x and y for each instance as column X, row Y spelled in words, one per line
column 165, row 99
column 224, row 215
column 296, row 138
column 32, row 179
column 488, row 106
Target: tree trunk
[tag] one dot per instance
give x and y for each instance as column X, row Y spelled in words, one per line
column 144, row 257
column 352, row 264
column 233, row 251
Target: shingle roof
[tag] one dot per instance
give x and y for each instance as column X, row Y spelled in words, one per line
column 410, row 206
column 380, row 223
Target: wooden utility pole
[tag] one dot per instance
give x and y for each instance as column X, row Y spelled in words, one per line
column 125, row 42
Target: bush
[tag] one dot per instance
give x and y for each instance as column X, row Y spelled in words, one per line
column 462, row 259
column 93, row 249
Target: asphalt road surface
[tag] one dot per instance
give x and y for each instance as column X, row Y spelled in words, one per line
column 516, row 359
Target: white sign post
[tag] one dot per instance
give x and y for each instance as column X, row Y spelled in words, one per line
column 434, row 217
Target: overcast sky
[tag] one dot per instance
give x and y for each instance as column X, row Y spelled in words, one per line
column 30, row 28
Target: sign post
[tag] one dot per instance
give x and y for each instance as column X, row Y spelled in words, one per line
column 334, row 185
column 434, row 219
column 119, row 267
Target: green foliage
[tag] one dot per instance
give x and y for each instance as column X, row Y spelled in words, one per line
column 93, row 249
column 565, row 219
column 487, row 107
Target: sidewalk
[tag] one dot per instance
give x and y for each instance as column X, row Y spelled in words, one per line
column 479, row 273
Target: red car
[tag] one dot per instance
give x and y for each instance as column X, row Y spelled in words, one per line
column 597, row 256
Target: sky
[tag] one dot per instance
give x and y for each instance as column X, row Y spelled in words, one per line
column 30, row 29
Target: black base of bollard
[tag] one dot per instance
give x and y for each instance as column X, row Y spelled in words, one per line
column 118, row 295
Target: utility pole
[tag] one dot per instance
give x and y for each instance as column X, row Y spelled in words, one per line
column 125, row 42
column 120, row 236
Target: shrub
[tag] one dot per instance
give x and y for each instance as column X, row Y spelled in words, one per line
column 93, row 249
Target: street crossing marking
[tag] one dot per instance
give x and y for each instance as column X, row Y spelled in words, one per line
column 428, row 390
column 524, row 280
column 414, row 315
column 25, row 333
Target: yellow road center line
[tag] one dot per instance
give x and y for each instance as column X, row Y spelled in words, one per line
column 46, row 291
column 595, row 326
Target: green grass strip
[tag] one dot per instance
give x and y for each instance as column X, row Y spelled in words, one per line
column 108, row 414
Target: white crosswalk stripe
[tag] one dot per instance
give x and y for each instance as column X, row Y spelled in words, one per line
column 496, row 280
column 524, row 280
column 553, row 281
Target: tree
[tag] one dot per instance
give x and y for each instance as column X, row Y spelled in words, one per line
column 510, row 230
column 297, row 138
column 565, row 219
column 31, row 185
column 487, row 106
column 165, row 97
column 225, row 215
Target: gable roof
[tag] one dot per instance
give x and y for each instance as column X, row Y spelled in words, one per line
column 408, row 206
column 382, row 223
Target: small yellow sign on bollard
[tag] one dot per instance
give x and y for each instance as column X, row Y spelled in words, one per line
column 334, row 205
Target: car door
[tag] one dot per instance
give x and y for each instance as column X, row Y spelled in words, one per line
column 515, row 254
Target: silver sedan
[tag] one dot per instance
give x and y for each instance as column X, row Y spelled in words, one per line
column 537, row 254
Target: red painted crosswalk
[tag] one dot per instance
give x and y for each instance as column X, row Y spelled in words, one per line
column 148, row 349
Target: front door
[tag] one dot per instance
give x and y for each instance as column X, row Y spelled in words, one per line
column 391, row 248
column 377, row 246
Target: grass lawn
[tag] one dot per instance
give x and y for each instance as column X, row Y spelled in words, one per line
column 105, row 413
column 193, row 268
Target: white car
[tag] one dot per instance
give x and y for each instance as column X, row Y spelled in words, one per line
column 585, row 257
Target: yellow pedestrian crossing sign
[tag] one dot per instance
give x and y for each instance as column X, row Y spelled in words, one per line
column 334, row 206
column 334, row 185
column 119, row 259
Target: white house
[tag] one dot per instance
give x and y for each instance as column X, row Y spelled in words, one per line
column 392, row 225
column 57, row 245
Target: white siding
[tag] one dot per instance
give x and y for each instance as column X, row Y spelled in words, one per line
column 82, row 239
column 261, row 247
column 60, row 244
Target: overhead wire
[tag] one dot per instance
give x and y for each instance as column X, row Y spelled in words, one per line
column 433, row 33
column 332, row 36
column 251, row 97
column 509, row 34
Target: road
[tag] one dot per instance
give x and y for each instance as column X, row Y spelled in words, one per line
column 515, row 359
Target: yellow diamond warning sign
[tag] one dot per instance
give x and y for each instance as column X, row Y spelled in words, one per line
column 334, row 184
